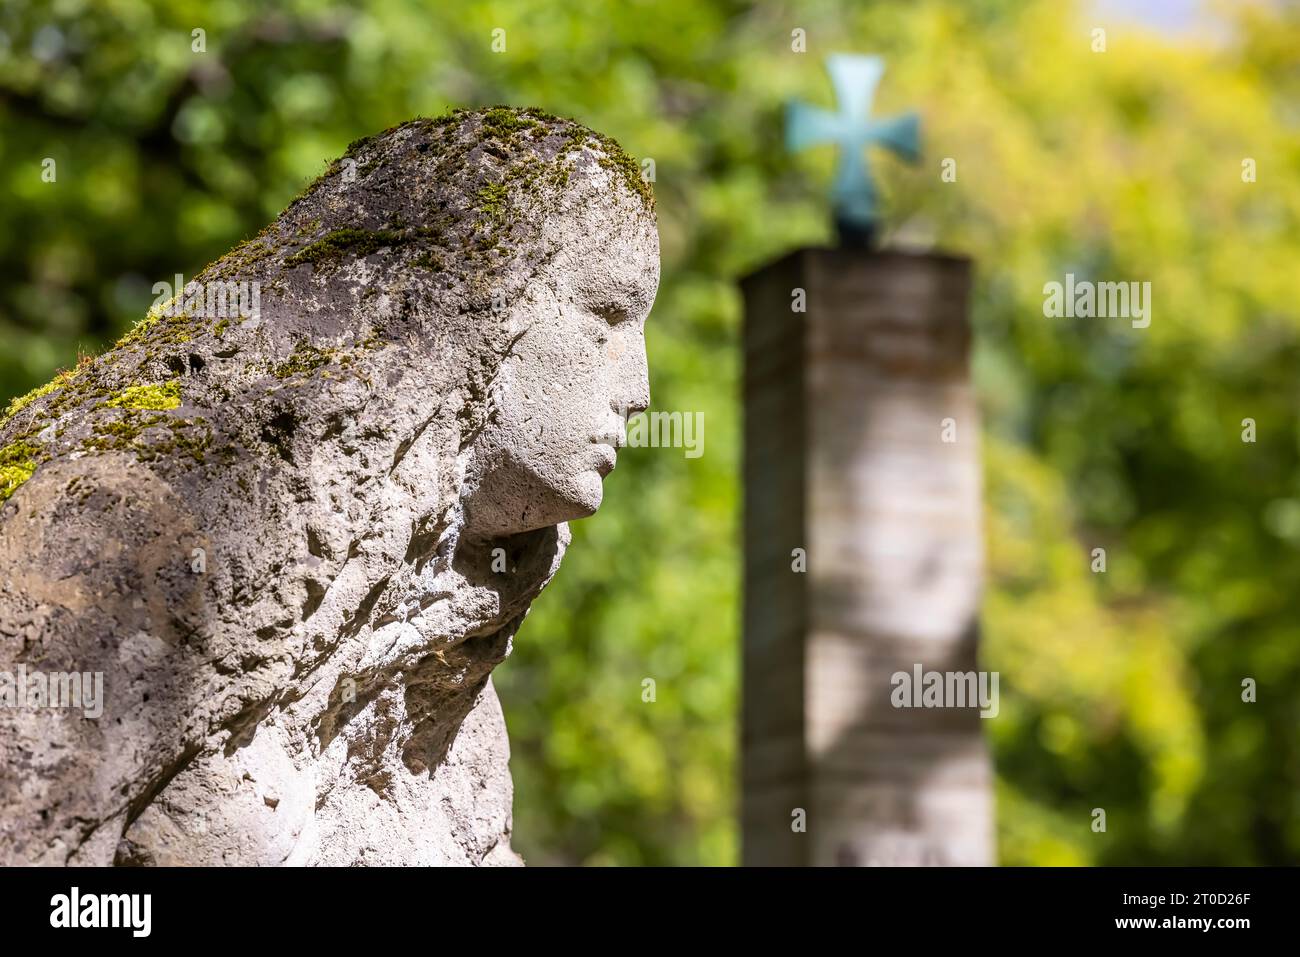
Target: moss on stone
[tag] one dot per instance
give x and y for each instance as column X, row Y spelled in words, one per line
column 535, row 146
column 60, row 380
column 128, row 428
column 620, row 164
column 491, row 200
column 340, row 242
column 241, row 260
column 157, row 397
column 73, row 393
column 20, row 403
column 505, row 123
column 357, row 145
column 305, row 358
column 18, row 462
column 507, row 130
column 535, row 150
column 188, row 437
column 431, row 261
column 160, row 329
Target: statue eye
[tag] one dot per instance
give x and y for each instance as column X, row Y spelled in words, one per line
column 611, row 312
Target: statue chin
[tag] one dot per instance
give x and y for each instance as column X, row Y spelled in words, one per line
column 511, row 500
column 592, row 487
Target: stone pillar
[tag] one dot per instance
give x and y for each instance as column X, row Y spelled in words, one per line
column 849, row 457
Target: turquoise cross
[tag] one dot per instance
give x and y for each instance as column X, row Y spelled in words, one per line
column 855, row 79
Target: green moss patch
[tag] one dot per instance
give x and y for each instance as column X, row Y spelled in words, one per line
column 491, row 200
column 431, row 261
column 621, row 165
column 305, row 358
column 241, row 260
column 63, row 378
column 20, row 403
column 18, row 461
column 505, row 124
column 186, row 437
column 344, row 242
column 147, row 397
column 160, row 330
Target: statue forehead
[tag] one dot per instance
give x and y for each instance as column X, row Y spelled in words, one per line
column 621, row 273
column 608, row 248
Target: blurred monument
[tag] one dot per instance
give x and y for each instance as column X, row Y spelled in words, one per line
column 863, row 545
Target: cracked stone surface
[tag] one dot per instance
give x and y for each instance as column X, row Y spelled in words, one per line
column 295, row 544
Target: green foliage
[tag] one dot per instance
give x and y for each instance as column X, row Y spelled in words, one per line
column 1120, row 690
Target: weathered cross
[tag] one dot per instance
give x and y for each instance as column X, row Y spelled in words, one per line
column 854, row 79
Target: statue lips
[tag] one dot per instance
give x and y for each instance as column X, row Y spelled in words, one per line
column 607, row 446
column 606, row 458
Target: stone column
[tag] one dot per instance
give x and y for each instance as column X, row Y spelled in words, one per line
column 861, row 459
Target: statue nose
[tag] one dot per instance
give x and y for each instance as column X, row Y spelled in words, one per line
column 636, row 397
column 636, row 401
column 636, row 404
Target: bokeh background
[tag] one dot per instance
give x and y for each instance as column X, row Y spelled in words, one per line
column 1120, row 690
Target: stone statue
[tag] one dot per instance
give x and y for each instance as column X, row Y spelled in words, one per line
column 293, row 540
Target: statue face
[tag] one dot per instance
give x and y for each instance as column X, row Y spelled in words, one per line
column 562, row 395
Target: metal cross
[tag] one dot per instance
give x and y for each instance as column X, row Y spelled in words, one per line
column 851, row 128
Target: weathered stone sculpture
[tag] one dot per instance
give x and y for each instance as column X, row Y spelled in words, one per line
column 295, row 544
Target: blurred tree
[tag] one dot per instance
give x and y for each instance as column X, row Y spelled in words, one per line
column 1121, row 690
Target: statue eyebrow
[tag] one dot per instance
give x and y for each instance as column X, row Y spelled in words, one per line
column 611, row 311
column 625, row 297
column 616, row 299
